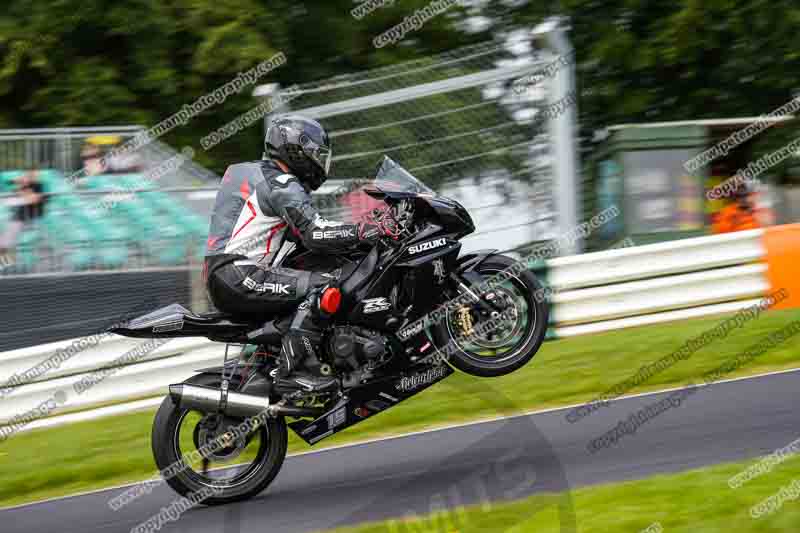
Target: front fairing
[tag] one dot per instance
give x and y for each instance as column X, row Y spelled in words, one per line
column 393, row 183
column 452, row 216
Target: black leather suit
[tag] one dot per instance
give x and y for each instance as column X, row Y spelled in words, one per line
column 259, row 214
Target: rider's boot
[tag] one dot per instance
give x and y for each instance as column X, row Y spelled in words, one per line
column 300, row 345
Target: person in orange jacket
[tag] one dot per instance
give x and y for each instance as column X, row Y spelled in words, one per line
column 742, row 213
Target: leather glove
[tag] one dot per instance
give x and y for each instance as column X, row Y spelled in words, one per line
column 369, row 233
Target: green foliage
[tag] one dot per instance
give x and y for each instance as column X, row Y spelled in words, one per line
column 115, row 62
column 656, row 60
column 93, row 62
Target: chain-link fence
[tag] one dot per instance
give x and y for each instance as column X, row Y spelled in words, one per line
column 67, row 150
column 53, row 148
column 469, row 123
column 106, row 207
column 460, row 121
column 466, row 122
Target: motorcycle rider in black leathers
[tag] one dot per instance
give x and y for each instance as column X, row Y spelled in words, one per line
column 261, row 210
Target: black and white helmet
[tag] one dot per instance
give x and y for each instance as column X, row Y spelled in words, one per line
column 303, row 145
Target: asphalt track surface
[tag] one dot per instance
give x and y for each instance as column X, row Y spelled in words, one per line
column 491, row 461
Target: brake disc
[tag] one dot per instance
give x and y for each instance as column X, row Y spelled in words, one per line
column 499, row 336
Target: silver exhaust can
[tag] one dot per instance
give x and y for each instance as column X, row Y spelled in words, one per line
column 207, row 400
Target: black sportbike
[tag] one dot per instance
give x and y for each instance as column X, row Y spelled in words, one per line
column 402, row 313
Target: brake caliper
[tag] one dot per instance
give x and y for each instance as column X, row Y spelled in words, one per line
column 464, row 320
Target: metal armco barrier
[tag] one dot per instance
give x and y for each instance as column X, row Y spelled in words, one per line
column 589, row 293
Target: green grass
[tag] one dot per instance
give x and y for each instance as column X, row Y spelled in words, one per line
column 110, row 451
column 696, row 501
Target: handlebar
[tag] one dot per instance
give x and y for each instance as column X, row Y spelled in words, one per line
column 395, row 221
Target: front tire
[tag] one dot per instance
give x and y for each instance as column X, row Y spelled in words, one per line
column 168, row 448
column 504, row 349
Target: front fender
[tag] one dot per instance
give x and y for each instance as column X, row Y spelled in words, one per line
column 470, row 261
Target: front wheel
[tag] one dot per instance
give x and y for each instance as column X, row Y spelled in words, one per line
column 225, row 460
column 495, row 343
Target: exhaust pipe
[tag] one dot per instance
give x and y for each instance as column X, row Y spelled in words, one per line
column 208, row 400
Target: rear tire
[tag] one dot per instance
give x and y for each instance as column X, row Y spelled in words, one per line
column 166, row 427
column 535, row 310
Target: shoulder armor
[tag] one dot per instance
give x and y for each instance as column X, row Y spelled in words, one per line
column 281, row 181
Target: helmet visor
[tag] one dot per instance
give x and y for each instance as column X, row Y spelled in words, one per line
column 322, row 156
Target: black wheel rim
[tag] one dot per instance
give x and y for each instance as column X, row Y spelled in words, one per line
column 220, row 469
column 506, row 344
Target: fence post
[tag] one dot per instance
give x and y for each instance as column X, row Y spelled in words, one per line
column 552, row 36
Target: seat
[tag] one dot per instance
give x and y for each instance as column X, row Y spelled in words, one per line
column 268, row 333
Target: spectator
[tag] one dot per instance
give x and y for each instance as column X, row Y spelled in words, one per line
column 720, row 172
column 92, row 159
column 103, row 154
column 28, row 206
column 742, row 213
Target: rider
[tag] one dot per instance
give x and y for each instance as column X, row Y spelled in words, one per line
column 261, row 210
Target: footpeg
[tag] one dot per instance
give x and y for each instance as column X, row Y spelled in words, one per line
column 307, row 383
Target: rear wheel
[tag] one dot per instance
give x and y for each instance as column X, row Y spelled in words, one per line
column 222, row 456
column 494, row 343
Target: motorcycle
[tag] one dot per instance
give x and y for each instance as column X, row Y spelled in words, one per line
column 403, row 316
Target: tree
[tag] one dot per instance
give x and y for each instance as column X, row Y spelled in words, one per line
column 660, row 60
column 114, row 62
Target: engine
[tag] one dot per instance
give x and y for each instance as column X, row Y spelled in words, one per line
column 353, row 347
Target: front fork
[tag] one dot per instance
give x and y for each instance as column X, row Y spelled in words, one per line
column 467, row 285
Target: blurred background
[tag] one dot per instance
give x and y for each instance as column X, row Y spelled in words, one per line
column 535, row 128
column 590, row 124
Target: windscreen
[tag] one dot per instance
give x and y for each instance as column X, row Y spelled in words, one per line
column 391, row 177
